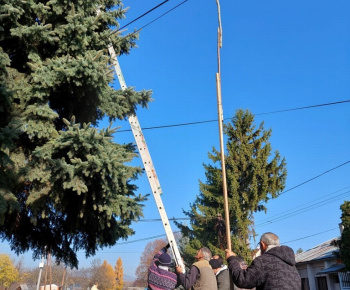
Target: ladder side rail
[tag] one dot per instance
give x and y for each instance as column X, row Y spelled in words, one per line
column 148, row 165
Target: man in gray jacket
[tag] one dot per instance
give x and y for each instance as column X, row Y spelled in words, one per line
column 223, row 278
column 274, row 269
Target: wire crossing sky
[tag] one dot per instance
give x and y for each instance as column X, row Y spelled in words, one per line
column 209, row 121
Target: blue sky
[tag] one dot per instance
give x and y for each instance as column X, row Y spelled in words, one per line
column 276, row 55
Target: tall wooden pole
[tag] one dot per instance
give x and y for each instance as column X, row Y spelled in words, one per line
column 63, row 278
column 221, row 135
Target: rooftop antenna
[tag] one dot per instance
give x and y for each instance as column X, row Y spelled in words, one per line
column 220, row 120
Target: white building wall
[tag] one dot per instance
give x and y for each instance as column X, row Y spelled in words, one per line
column 311, row 276
column 310, row 271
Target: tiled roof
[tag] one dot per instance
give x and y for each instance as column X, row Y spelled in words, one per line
column 322, row 251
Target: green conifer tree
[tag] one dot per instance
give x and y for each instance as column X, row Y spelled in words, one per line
column 64, row 185
column 254, row 176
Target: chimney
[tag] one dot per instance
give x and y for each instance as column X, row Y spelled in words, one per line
column 341, row 228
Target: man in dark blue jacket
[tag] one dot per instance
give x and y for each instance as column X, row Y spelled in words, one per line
column 274, row 269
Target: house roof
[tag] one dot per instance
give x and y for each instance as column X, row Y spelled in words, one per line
column 323, row 251
column 333, row 269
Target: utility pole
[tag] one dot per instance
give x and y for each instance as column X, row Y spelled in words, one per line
column 63, row 278
column 221, row 120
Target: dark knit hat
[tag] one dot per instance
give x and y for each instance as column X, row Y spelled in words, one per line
column 164, row 259
column 215, row 264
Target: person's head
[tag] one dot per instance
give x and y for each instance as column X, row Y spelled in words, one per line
column 218, row 257
column 268, row 239
column 215, row 265
column 96, row 283
column 164, row 260
column 203, row 254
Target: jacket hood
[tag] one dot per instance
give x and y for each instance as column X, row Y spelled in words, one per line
column 284, row 253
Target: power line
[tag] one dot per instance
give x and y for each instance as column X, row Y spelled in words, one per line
column 307, row 107
column 269, row 221
column 144, row 14
column 309, row 236
column 327, row 171
column 135, row 32
column 316, row 177
column 183, row 2
column 312, row 202
column 273, row 220
column 159, row 236
column 145, row 239
column 170, row 219
column 319, row 204
column 258, row 114
column 173, row 125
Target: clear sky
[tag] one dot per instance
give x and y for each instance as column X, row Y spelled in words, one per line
column 276, row 55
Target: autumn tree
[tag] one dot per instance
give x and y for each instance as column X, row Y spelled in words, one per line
column 345, row 236
column 119, row 274
column 145, row 261
column 65, row 186
column 106, row 277
column 254, row 176
column 8, row 271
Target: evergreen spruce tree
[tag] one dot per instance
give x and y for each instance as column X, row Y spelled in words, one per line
column 64, row 185
column 254, row 175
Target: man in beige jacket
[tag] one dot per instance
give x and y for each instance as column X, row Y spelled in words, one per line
column 200, row 275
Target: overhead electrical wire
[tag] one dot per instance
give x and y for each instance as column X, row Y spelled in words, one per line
column 309, row 236
column 138, row 30
column 302, row 210
column 258, row 114
column 327, row 171
column 306, row 107
column 159, row 236
column 144, row 239
column 303, row 205
column 277, row 216
column 144, row 14
column 178, row 5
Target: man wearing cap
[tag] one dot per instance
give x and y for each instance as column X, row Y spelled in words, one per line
column 200, row 275
column 223, row 278
column 159, row 277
